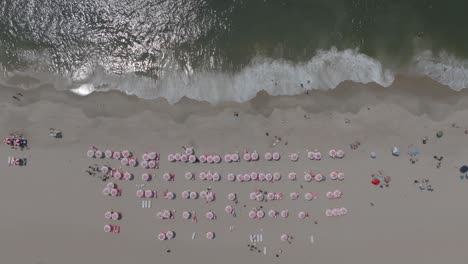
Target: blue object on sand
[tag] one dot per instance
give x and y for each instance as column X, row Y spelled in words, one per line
column 373, row 155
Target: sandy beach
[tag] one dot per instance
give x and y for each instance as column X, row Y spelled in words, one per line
column 53, row 211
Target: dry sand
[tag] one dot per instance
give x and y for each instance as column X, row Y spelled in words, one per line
column 52, row 211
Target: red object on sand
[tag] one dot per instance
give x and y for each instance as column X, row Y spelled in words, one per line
column 116, row 229
column 376, row 181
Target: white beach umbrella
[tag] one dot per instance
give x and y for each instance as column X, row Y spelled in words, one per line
column 268, row 156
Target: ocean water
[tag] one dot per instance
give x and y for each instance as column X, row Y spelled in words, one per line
column 228, row 50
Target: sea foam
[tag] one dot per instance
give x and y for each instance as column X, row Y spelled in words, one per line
column 326, row 70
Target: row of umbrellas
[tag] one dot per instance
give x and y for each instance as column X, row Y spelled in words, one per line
column 116, row 173
column 110, row 154
column 189, row 156
column 109, row 215
column 171, row 234
column 111, row 189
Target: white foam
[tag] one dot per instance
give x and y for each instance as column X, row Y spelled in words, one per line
column 443, row 68
column 326, row 70
column 84, row 89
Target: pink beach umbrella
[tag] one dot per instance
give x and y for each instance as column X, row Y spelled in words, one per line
column 152, row 164
column 148, row 194
column 254, row 176
column 232, row 196
column 332, row 153
column 336, row 212
column 167, row 176
column 185, row 194
column 308, row 196
column 117, row 175
column 269, row 177
column 126, row 154
column 319, row 177
column 252, row 214
column 203, row 194
column 189, row 175
column 216, row 177
column 124, row 161
column 216, row 159
column 114, row 192
column 284, row 237
column 186, row 214
column 228, row 209
column 260, row 214
column 260, row 197
column 276, row 176
column 145, row 177
column 231, row 177
column 209, row 159
column 162, row 236
column 343, row 211
column 108, row 154
column 202, row 175
column 128, row 176
column 171, row 157
column 294, row 195
column 227, row 158
column 90, row 153
column 108, row 215
column 104, row 169
column 340, row 176
column 308, row 177
column 170, row 195
column 317, row 156
column 106, row 191
column 247, row 156
column 177, row 156
column 271, row 196
column 202, row 158
column 253, row 196
column 192, row 158
column 193, row 195
column 209, row 176
column 254, row 156
column 240, row 177
column 107, row 228
column 144, row 164
column 235, row 157
column 184, row 158
column 115, row 216
column 152, row 155
column 111, row 185
column 210, row 235
column 272, row 213
column 329, row 195
column 276, row 156
column 333, row 175
column 140, row 193
column 132, row 162
column 284, row 213
column 261, row 176
column 209, row 215
column 340, row 154
column 98, row 154
column 210, row 197
column 293, row 156
column 170, row 234
column 328, row 212
column 337, row 194
column 311, row 155
column 268, row 156
column 189, row 151
column 247, row 177
column 166, row 214
column 146, row 156
column 116, row 155
column 292, row 176
column 301, row 215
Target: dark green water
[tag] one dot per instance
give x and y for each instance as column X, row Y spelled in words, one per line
column 80, row 39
